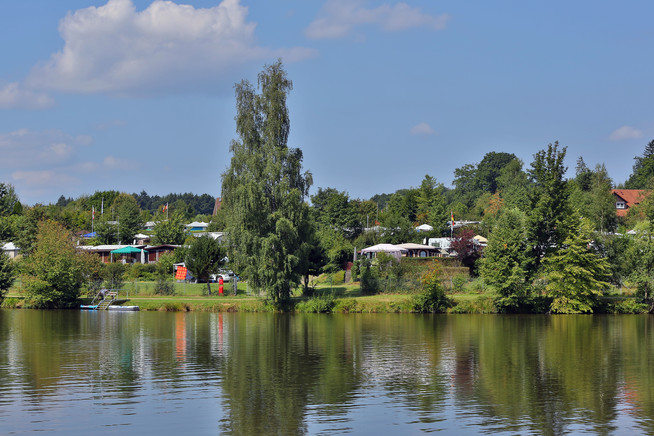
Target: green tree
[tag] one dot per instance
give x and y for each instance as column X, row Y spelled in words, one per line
column 106, row 230
column 601, row 209
column 8, row 199
column 169, row 231
column 513, row 186
column 576, row 275
column 432, row 299
column 504, row 265
column 312, row 257
column 334, row 209
column 548, row 203
column 129, row 218
column 204, row 258
column 264, row 189
column 53, row 273
column 7, row 273
column 490, row 169
column 643, row 170
column 396, row 228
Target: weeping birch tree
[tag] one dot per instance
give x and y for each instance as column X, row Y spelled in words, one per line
column 264, row 189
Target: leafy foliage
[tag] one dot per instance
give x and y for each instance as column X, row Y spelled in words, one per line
column 53, row 273
column 433, row 298
column 576, row 275
column 264, row 189
column 548, row 203
column 504, row 265
column 169, row 231
column 643, row 170
column 204, row 257
column 7, row 273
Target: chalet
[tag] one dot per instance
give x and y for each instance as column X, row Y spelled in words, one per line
column 10, row 250
column 627, row 198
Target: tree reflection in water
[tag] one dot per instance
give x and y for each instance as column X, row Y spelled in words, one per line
column 302, row 373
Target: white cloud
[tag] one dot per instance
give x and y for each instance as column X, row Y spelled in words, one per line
column 338, row 18
column 47, row 163
column 422, row 129
column 25, row 148
column 625, row 132
column 165, row 48
column 13, row 96
column 43, row 180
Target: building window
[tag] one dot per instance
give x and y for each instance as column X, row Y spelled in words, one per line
column 620, row 205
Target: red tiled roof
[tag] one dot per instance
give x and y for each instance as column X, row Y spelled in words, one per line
column 630, row 196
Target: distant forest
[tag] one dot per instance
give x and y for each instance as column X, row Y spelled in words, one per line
column 194, row 204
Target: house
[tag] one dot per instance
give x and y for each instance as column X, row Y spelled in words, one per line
column 419, row 250
column 10, row 250
column 627, row 198
column 442, row 245
column 214, row 235
column 154, row 251
column 141, row 239
column 197, row 226
column 104, row 251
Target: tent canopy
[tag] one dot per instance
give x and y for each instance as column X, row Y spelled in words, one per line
column 126, row 250
column 386, row 248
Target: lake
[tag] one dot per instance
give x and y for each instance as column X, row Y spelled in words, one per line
column 79, row 373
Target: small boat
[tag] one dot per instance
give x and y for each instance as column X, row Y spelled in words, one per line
column 124, row 308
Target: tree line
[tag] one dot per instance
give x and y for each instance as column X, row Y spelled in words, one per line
column 548, row 234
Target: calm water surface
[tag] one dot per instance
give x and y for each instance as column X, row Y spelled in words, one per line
column 79, row 373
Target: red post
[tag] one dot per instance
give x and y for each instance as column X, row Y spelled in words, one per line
column 220, row 285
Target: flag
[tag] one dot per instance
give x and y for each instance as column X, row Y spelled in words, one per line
column 93, row 213
column 165, row 208
column 452, row 214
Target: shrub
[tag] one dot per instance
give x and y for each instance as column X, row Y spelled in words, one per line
column 369, row 280
column 477, row 305
column 7, row 274
column 432, row 299
column 323, row 304
column 164, row 286
column 345, row 305
column 458, row 282
column 114, row 275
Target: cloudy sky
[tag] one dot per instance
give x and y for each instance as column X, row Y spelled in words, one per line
column 138, row 95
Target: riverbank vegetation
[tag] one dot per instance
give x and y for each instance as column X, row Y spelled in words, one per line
column 555, row 242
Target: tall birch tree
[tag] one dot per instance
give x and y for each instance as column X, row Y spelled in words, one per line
column 264, row 188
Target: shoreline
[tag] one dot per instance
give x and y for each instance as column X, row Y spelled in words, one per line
column 385, row 303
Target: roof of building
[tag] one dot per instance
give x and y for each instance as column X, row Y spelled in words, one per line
column 630, row 196
column 411, row 246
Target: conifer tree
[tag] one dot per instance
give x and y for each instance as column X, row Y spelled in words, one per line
column 504, row 263
column 576, row 275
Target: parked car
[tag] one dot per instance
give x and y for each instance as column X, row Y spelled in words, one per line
column 226, row 275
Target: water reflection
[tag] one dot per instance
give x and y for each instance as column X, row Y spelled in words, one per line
column 75, row 372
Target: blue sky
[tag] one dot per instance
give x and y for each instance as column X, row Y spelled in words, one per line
column 138, row 95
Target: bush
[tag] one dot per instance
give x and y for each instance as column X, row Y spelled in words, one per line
column 626, row 306
column 7, row 274
column 323, row 304
column 369, row 280
column 345, row 305
column 477, row 305
column 114, row 275
column 458, row 282
column 433, row 298
column 164, row 287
